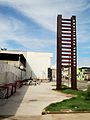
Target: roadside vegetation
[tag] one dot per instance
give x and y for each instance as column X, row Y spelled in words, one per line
column 80, row 102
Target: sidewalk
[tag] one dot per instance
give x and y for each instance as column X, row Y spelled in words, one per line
column 80, row 116
column 29, row 101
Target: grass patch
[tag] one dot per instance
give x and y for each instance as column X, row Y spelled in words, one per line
column 79, row 93
column 79, row 103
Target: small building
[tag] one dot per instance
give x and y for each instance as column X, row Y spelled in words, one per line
column 83, row 73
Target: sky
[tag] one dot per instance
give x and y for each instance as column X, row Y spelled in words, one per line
column 31, row 25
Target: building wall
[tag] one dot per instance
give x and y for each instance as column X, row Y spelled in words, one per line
column 9, row 73
column 13, row 63
column 38, row 64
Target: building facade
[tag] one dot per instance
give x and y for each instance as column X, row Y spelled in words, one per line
column 23, row 65
column 37, row 64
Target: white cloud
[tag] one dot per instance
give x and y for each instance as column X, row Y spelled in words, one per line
column 45, row 11
column 8, row 27
column 12, row 29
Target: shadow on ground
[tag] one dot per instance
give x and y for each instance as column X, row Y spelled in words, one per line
column 9, row 107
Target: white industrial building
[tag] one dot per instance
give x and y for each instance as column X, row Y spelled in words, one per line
column 34, row 64
column 38, row 64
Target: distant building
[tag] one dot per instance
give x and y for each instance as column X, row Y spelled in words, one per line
column 84, row 73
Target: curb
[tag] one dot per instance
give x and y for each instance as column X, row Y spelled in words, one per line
column 63, row 112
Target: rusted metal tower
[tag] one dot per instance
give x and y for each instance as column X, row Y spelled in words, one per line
column 66, row 49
